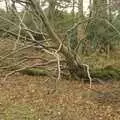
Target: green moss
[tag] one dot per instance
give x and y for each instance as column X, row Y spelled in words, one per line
column 106, row 73
column 35, row 71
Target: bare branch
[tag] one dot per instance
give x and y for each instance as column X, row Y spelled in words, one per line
column 19, row 32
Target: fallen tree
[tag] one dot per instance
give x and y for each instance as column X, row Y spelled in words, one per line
column 76, row 69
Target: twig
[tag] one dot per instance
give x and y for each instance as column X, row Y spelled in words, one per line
column 56, row 55
column 32, row 66
column 14, row 52
column 19, row 32
column 7, row 20
column 58, row 59
column 58, row 65
column 14, row 65
column 88, row 73
column 80, row 22
column 13, row 72
column 112, row 26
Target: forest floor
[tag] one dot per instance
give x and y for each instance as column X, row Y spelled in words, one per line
column 24, row 97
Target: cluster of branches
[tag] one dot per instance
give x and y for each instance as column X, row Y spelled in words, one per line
column 73, row 63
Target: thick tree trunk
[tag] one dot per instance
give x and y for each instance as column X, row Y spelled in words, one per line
column 76, row 69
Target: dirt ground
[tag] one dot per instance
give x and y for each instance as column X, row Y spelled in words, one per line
column 25, row 97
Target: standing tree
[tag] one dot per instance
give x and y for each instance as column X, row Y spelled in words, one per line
column 80, row 8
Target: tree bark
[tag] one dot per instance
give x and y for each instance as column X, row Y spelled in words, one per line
column 80, row 8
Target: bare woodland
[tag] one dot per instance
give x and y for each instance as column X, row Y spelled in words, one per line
column 59, row 39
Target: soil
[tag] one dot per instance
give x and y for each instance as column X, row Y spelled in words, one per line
column 24, row 97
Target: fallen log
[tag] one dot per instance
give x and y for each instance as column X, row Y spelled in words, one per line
column 107, row 73
column 35, row 71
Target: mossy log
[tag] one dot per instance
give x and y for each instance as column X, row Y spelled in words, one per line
column 107, row 73
column 35, row 71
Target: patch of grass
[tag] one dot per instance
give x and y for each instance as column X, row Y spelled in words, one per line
column 96, row 61
column 18, row 112
column 103, row 66
column 107, row 73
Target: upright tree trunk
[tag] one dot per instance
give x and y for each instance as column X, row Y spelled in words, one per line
column 13, row 7
column 7, row 5
column 109, row 3
column 51, row 11
column 73, row 10
column 80, row 8
column 100, row 8
column 81, row 28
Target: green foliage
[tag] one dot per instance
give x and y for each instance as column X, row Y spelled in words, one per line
column 101, row 34
column 72, row 39
column 64, row 21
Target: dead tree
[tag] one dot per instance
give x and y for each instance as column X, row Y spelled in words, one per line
column 76, row 68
